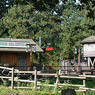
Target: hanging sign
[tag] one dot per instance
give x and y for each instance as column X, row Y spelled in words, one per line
column 49, row 49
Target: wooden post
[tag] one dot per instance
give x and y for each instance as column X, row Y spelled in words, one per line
column 12, row 79
column 57, row 81
column 84, row 93
column 31, row 57
column 40, row 61
column 35, row 80
column 84, row 80
column 79, row 58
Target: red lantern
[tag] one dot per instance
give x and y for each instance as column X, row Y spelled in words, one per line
column 49, row 49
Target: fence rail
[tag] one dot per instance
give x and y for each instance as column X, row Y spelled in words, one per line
column 5, row 68
column 64, row 69
column 36, row 73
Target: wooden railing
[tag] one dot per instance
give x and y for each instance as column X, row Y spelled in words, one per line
column 36, row 73
column 56, row 75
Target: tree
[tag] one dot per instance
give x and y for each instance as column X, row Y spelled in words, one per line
column 62, row 28
column 16, row 20
column 2, row 7
column 41, row 5
column 75, row 26
column 23, row 21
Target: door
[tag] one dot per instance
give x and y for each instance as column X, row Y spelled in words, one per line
column 22, row 63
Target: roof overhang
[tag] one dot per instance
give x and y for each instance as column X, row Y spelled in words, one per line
column 88, row 40
column 17, row 45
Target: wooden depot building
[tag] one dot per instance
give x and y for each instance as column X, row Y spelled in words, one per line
column 18, row 53
column 89, row 50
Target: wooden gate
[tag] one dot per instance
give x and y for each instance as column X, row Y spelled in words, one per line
column 22, row 63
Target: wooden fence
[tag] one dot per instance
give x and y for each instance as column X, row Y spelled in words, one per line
column 6, row 77
column 36, row 73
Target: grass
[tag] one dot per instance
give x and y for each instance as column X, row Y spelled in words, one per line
column 45, row 90
column 89, row 82
column 6, row 91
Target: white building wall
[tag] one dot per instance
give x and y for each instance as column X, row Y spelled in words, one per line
column 89, row 50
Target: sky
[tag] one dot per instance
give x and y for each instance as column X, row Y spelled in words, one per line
column 77, row 2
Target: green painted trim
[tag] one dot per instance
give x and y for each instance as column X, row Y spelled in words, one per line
column 16, row 47
column 12, row 44
column 13, row 41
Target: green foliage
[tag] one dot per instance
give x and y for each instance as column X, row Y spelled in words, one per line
column 15, row 21
column 5, row 83
column 3, row 7
column 90, row 92
column 41, row 5
column 75, row 25
column 62, row 28
column 7, row 91
column 46, row 88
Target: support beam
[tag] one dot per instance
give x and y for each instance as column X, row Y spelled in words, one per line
column 79, row 58
column 31, row 57
column 40, row 61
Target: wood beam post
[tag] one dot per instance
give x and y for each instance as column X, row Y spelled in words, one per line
column 57, row 81
column 35, row 80
column 79, row 58
column 12, row 79
column 84, row 80
column 40, row 61
column 31, row 57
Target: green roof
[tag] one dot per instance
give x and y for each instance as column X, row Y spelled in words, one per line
column 90, row 39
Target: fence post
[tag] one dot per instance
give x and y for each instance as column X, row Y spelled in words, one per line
column 12, row 79
column 84, row 93
column 57, row 81
column 35, row 80
column 84, row 80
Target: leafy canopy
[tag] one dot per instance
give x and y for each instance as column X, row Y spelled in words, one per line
column 62, row 28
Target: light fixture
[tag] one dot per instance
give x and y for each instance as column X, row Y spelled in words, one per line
column 75, row 50
column 34, row 48
column 27, row 47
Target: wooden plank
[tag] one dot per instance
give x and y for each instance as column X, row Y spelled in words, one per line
column 47, row 85
column 93, row 89
column 73, row 77
column 5, row 68
column 12, row 80
column 32, row 72
column 23, row 72
column 24, row 87
column 35, row 80
column 71, row 85
column 46, row 74
column 80, row 90
column 20, row 80
column 88, row 76
column 4, row 77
